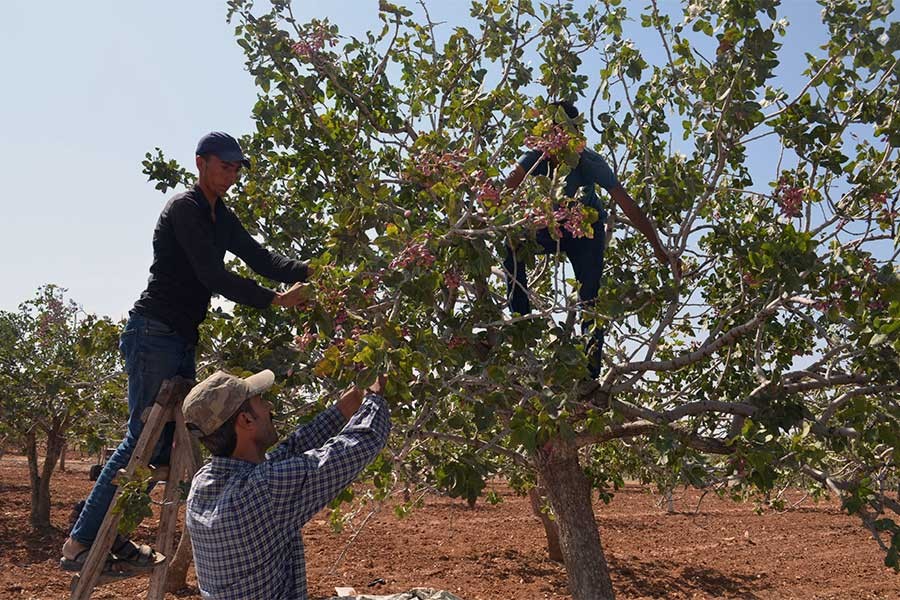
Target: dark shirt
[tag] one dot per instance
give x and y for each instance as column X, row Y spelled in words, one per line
column 591, row 169
column 189, row 264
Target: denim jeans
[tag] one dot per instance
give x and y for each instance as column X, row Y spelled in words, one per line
column 153, row 352
column 586, row 256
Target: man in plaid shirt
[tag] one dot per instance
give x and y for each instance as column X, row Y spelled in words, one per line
column 246, row 507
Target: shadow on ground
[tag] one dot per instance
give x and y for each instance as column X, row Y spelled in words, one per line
column 661, row 579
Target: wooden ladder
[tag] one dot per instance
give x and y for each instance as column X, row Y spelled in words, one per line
column 185, row 460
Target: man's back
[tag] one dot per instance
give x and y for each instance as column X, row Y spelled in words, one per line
column 245, row 518
column 240, row 545
column 591, row 169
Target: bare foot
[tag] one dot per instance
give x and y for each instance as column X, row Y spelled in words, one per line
column 72, row 548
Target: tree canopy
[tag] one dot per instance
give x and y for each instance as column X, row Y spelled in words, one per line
column 773, row 360
column 58, row 369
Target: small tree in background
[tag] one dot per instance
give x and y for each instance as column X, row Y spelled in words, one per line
column 774, row 359
column 59, row 364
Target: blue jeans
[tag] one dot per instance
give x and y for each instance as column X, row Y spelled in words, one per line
column 153, row 352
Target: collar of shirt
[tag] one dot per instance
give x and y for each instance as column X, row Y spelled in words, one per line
column 225, row 464
column 200, row 201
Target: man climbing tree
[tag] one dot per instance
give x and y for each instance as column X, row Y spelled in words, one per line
column 584, row 249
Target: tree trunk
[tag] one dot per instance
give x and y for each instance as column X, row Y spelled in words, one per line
column 176, row 578
column 569, row 493
column 62, row 457
column 40, row 480
column 536, row 495
column 40, row 503
column 670, row 501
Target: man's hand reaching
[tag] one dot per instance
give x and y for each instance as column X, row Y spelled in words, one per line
column 300, row 295
column 378, row 386
column 352, row 398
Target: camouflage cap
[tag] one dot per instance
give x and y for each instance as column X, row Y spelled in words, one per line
column 215, row 399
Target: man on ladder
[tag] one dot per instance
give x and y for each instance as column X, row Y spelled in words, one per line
column 193, row 232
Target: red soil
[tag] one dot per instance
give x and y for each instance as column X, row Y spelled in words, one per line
column 722, row 550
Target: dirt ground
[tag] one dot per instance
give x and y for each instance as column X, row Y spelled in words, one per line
column 724, row 550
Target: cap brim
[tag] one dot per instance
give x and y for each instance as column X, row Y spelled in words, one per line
column 234, row 157
column 260, row 382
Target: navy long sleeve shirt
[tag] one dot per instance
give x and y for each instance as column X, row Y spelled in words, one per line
column 189, row 264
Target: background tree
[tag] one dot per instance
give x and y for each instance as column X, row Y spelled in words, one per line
column 59, row 364
column 775, row 359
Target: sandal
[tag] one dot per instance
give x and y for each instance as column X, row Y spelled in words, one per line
column 135, row 556
column 112, row 568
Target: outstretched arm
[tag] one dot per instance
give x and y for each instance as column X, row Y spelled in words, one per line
column 266, row 263
column 301, row 485
column 643, row 224
column 532, row 162
column 199, row 246
column 515, row 177
column 327, row 424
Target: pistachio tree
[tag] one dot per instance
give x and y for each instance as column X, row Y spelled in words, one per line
column 58, row 368
column 772, row 360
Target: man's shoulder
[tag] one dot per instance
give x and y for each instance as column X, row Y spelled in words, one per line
column 593, row 155
column 530, row 156
column 183, row 204
column 191, row 197
column 225, row 484
column 201, row 479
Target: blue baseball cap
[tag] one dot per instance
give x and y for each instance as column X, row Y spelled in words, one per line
column 222, row 145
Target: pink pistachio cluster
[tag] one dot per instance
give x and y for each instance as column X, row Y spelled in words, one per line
column 487, row 194
column 877, row 305
column 569, row 216
column 452, row 279
column 372, row 287
column 789, row 198
column 436, row 167
column 832, row 298
column 750, row 280
column 53, row 317
column 827, row 303
column 314, row 42
column 554, row 140
column 339, row 320
column 456, row 341
column 432, row 163
column 869, row 265
column 572, row 219
column 304, row 340
column 486, row 191
column 539, row 220
column 415, row 253
column 885, row 214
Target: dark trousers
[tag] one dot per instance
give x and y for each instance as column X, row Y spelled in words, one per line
column 586, row 256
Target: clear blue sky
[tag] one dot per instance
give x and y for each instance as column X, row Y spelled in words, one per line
column 89, row 87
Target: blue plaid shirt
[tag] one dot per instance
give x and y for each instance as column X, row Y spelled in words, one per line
column 245, row 518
